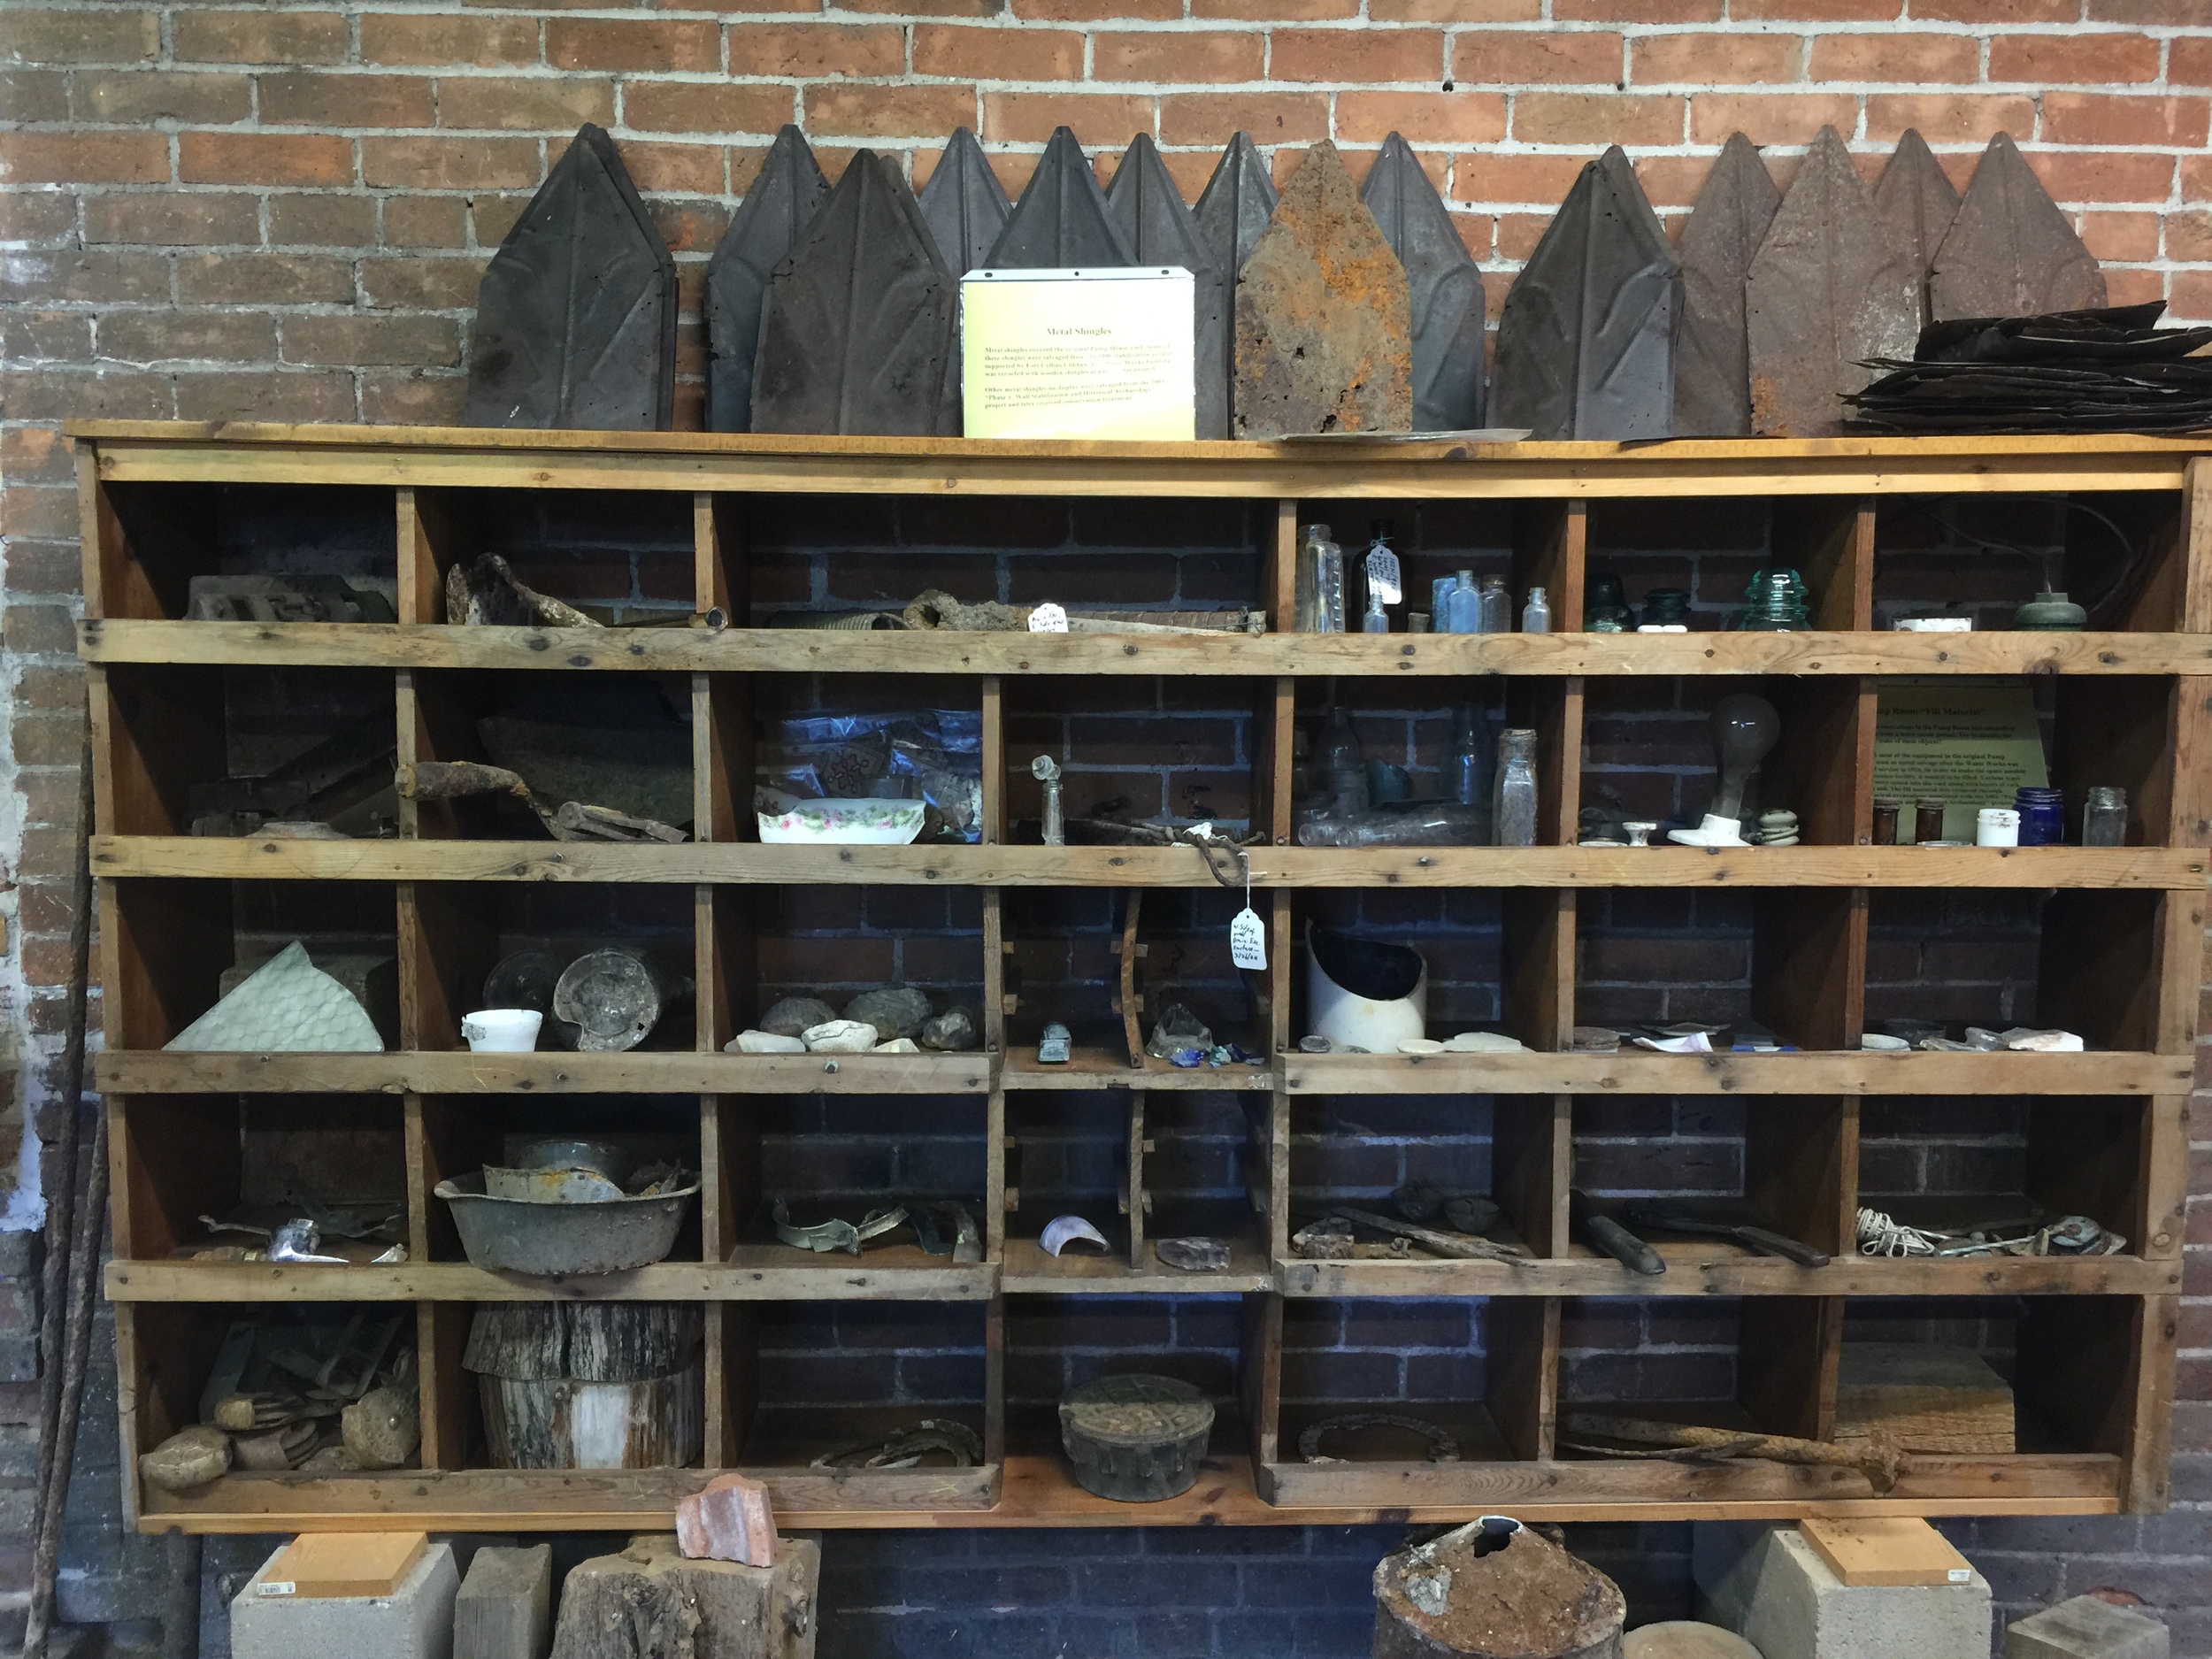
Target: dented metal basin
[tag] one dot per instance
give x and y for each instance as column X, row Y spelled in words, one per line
column 548, row 1237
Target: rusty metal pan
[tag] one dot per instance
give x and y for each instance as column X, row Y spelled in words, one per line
column 547, row 1237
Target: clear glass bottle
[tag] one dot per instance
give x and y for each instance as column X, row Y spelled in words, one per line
column 2104, row 818
column 1513, row 814
column 1376, row 620
column 1462, row 774
column 1320, row 583
column 1496, row 600
column 1536, row 615
column 1347, row 771
column 1462, row 606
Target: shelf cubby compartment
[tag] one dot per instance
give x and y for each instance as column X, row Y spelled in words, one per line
column 1471, row 1366
column 623, row 555
column 801, row 1380
column 1709, row 549
column 1171, row 750
column 856, row 735
column 153, row 538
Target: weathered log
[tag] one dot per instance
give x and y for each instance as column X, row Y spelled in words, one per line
column 505, row 1607
column 453, row 779
column 576, row 821
column 1495, row 1588
column 592, row 1341
column 489, row 593
column 1877, row 1458
column 649, row 1603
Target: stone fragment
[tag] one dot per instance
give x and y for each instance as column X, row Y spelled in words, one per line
column 841, row 1036
column 963, row 204
column 1194, row 1255
column 1324, row 323
column 188, row 1458
column 1443, row 289
column 728, row 1519
column 1827, row 291
column 894, row 1011
column 792, row 1016
column 504, row 1609
column 2011, row 251
column 1915, row 201
column 1149, row 210
column 1494, row 1587
column 858, row 332
column 763, row 1043
column 1062, row 220
column 1712, row 373
column 897, row 1044
column 951, row 1032
column 1586, row 341
column 784, row 196
column 576, row 313
column 1684, row 1639
column 1770, row 1585
column 383, row 1428
column 2087, row 1627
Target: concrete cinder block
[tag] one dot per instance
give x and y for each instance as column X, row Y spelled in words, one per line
column 1770, row 1586
column 2086, row 1628
column 414, row 1621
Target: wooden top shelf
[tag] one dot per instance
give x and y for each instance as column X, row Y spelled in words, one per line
column 1015, row 656
column 244, row 451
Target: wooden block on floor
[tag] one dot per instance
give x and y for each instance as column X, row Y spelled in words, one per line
column 505, row 1607
column 1905, row 1550
column 1926, row 1399
column 320, row 1565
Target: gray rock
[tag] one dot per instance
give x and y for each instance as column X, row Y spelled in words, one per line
column 763, row 1042
column 841, row 1036
column 894, row 1011
column 1194, row 1255
column 791, row 1017
column 957, row 1028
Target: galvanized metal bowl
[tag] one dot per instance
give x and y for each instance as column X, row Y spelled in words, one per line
column 517, row 1235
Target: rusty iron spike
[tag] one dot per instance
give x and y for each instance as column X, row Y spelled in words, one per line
column 1324, row 332
column 1712, row 374
column 1916, row 203
column 2011, row 252
column 1150, row 212
column 857, row 332
column 964, row 204
column 1062, row 220
column 1826, row 291
column 1442, row 285
column 1585, row 342
column 1238, row 201
column 787, row 194
column 576, row 313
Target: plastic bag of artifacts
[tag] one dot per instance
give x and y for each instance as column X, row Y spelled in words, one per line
column 933, row 755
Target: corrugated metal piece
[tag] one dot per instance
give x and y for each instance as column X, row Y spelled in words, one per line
column 1442, row 286
column 1150, row 212
column 576, row 315
column 1238, row 201
column 1712, row 373
column 1587, row 341
column 964, row 204
column 2011, row 253
column 1325, row 335
column 1915, row 203
column 1062, row 221
column 857, row 332
column 787, row 194
column 1826, row 290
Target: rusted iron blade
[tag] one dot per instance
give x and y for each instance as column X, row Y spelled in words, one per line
column 856, row 333
column 1062, row 221
column 1442, row 286
column 1325, row 335
column 1585, row 342
column 787, row 194
column 1238, row 201
column 2010, row 251
column 1915, row 203
column 1150, row 212
column 1827, row 290
column 1712, row 373
column 964, row 204
column 576, row 315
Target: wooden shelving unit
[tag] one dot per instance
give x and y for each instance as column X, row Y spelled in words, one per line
column 2121, row 946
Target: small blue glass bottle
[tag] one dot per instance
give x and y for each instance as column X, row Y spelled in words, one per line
column 2042, row 816
column 1462, row 606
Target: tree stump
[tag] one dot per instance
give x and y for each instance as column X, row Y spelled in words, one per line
column 1496, row 1594
column 649, row 1603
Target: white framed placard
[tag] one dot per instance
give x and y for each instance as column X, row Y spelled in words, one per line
column 1078, row 354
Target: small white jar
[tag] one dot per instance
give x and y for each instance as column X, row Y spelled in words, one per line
column 1997, row 827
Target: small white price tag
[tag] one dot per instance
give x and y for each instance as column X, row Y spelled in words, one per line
column 1382, row 575
column 1048, row 618
column 277, row 1586
column 1248, row 938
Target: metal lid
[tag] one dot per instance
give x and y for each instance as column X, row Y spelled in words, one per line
column 1138, row 1409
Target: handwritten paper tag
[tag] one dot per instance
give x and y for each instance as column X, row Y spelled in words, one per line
column 1247, row 939
column 1048, row 618
column 1382, row 575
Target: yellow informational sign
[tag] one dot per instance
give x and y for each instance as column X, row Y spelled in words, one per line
column 1078, row 354
column 1968, row 743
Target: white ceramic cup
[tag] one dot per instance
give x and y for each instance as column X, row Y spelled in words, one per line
column 1997, row 827
column 502, row 1030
